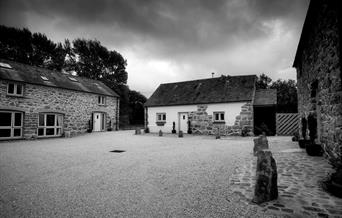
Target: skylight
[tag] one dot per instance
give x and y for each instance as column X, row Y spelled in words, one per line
column 5, row 65
column 72, row 79
column 44, row 78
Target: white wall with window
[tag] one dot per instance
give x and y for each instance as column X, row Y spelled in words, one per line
column 229, row 111
column 50, row 124
column 11, row 124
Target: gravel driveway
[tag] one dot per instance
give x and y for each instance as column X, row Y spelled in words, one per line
column 155, row 176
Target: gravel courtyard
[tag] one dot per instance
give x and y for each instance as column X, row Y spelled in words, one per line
column 155, row 176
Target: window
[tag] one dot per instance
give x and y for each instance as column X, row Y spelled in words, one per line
column 50, row 124
column 15, row 89
column 101, row 100
column 218, row 116
column 11, row 124
column 161, row 117
column 44, row 78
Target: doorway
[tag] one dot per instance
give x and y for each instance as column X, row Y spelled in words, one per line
column 98, row 121
column 183, row 122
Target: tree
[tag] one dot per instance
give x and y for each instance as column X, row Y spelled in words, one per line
column 263, row 82
column 136, row 102
column 286, row 95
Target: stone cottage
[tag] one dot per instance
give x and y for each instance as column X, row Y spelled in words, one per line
column 36, row 102
column 208, row 106
column 318, row 64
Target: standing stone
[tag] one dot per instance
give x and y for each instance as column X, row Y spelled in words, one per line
column 180, row 134
column 137, row 131
column 260, row 143
column 160, row 133
column 266, row 188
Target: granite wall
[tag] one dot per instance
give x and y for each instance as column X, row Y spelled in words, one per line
column 319, row 80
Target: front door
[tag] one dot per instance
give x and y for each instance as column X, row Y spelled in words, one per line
column 183, row 122
column 98, row 122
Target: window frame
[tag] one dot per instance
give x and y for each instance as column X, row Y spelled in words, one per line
column 55, row 127
column 101, row 100
column 162, row 121
column 13, row 127
column 15, row 89
column 219, row 120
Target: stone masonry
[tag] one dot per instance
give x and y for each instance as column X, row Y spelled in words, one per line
column 76, row 107
column 202, row 123
column 319, row 77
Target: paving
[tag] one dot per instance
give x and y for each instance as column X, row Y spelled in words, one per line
column 151, row 176
column 300, row 182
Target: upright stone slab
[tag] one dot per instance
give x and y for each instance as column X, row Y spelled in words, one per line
column 180, row 134
column 266, row 188
column 260, row 143
column 160, row 133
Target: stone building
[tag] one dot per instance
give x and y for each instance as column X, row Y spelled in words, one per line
column 318, row 64
column 36, row 102
column 208, row 106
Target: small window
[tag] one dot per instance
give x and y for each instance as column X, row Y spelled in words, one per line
column 218, row 116
column 161, row 117
column 44, row 78
column 101, row 100
column 15, row 89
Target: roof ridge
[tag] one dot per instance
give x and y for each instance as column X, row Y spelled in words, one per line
column 249, row 75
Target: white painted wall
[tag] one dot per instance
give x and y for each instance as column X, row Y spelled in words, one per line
column 231, row 111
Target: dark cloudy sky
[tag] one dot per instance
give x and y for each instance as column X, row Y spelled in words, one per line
column 174, row 40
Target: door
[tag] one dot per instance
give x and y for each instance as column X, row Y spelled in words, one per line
column 98, row 122
column 183, row 122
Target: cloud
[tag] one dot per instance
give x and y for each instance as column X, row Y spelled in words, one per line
column 173, row 40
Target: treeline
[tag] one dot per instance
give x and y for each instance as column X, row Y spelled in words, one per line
column 287, row 101
column 88, row 58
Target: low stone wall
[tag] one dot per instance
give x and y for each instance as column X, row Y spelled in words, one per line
column 202, row 123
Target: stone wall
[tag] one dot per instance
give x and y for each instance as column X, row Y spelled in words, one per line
column 319, row 80
column 77, row 107
column 202, row 123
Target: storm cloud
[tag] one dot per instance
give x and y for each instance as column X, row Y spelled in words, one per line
column 166, row 41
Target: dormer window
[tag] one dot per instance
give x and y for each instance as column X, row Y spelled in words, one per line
column 44, row 78
column 73, row 79
column 14, row 89
column 101, row 100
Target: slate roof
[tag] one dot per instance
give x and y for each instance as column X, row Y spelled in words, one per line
column 214, row 90
column 30, row 74
column 265, row 97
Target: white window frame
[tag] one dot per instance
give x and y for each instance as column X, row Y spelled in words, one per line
column 15, row 89
column 55, row 126
column 161, row 117
column 13, row 126
column 101, row 100
column 219, row 114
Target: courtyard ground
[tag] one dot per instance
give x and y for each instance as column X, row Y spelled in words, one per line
column 194, row 176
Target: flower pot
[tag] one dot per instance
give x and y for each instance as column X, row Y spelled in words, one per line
column 302, row 143
column 313, row 149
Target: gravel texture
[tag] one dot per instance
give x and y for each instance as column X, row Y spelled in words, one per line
column 155, row 176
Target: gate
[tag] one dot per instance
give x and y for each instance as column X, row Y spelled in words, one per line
column 287, row 123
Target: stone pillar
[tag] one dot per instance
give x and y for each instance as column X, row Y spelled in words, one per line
column 266, row 188
column 260, row 143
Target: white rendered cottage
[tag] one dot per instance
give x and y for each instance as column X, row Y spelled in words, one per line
column 205, row 106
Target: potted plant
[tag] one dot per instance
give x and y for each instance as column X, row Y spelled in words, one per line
column 110, row 126
column 173, row 128
column 313, row 148
column 90, row 126
column 189, row 127
column 303, row 141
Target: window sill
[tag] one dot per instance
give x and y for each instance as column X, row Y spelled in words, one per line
column 14, row 95
column 219, row 122
column 160, row 123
